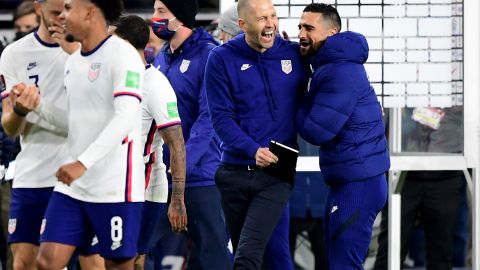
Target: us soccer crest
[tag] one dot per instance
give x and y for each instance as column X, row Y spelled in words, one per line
column 94, row 71
column 184, row 66
column 287, row 66
column 12, row 225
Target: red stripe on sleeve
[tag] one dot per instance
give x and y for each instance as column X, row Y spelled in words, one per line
column 5, row 95
column 135, row 95
column 171, row 124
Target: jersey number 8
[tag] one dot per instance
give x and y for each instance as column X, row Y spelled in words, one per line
column 116, row 233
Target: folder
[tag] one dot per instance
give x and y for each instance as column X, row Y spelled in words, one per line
column 286, row 166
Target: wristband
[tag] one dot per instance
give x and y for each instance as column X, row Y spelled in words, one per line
column 19, row 112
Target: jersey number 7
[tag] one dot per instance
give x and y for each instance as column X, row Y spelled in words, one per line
column 35, row 79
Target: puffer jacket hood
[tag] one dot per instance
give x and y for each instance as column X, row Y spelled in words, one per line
column 342, row 47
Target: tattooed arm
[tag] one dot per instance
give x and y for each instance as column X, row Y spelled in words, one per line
column 177, row 213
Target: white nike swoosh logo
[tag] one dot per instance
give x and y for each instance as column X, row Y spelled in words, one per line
column 116, row 245
column 245, row 67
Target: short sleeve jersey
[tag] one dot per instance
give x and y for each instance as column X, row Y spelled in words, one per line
column 32, row 61
column 159, row 111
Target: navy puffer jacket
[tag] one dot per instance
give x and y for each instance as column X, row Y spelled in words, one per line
column 342, row 114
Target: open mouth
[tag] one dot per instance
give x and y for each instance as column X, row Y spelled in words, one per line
column 268, row 35
column 305, row 43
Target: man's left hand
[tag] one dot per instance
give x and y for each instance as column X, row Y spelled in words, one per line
column 70, row 172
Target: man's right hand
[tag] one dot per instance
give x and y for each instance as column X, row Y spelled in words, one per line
column 25, row 98
column 59, row 36
column 264, row 157
column 285, row 36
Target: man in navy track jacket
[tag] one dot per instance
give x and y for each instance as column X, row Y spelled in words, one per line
column 253, row 82
column 341, row 113
column 182, row 61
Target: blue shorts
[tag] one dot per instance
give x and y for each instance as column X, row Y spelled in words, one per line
column 74, row 222
column 27, row 209
column 151, row 231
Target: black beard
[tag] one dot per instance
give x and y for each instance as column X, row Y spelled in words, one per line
column 46, row 22
column 312, row 51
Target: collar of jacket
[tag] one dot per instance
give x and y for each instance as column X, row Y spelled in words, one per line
column 198, row 36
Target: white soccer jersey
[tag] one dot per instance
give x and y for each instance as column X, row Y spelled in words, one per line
column 30, row 60
column 159, row 111
column 103, row 90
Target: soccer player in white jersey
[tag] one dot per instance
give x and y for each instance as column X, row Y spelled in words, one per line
column 159, row 112
column 102, row 189
column 35, row 59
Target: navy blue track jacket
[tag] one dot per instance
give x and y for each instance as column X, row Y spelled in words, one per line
column 185, row 70
column 252, row 96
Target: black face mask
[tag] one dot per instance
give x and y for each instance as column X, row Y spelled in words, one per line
column 19, row 35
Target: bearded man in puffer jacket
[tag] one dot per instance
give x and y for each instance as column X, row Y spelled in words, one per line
column 341, row 113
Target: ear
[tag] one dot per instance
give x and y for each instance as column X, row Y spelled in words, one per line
column 38, row 8
column 91, row 13
column 332, row 32
column 242, row 24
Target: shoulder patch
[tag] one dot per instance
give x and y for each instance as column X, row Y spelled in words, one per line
column 133, row 79
column 172, row 110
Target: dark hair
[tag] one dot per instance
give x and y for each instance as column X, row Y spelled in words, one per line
column 328, row 12
column 133, row 29
column 111, row 9
column 25, row 8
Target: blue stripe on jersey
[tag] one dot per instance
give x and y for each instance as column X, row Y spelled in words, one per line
column 128, row 181
column 150, row 136
column 148, row 169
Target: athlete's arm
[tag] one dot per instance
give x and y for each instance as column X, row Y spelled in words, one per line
column 16, row 106
column 127, row 113
column 177, row 214
column 54, row 115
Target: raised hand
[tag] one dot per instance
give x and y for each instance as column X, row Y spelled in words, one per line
column 59, row 36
